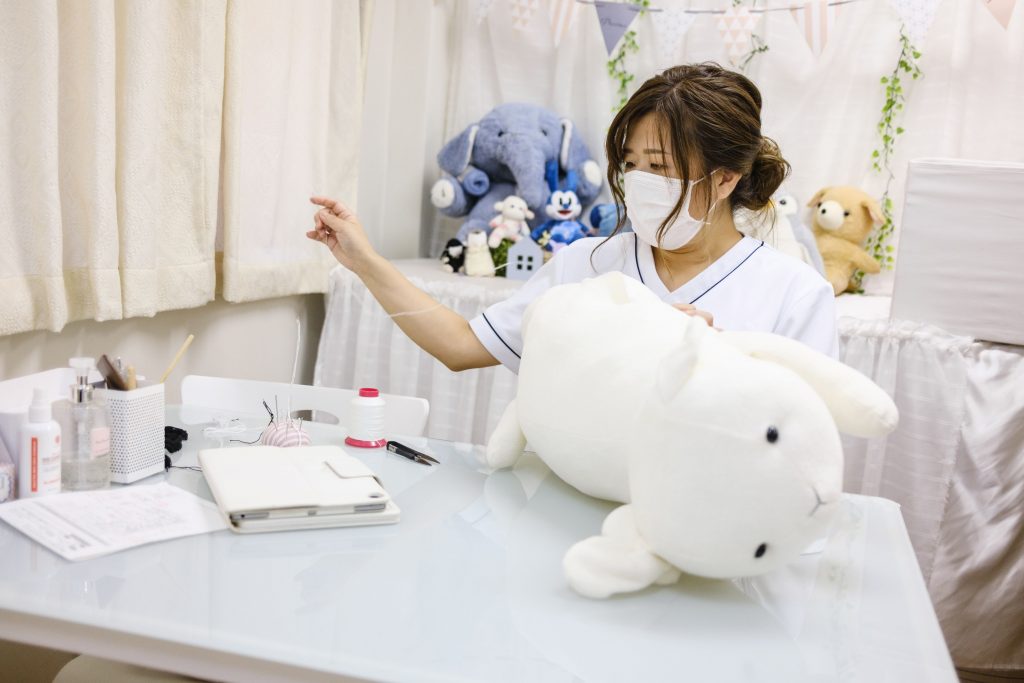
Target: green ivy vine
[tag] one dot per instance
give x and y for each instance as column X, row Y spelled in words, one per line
column 888, row 130
column 757, row 43
column 757, row 46
column 617, row 63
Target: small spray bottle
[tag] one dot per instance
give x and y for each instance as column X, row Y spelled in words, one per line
column 85, row 427
column 39, row 465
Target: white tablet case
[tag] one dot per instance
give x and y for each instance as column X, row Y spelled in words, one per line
column 261, row 478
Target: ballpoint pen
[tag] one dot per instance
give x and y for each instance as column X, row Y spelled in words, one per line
column 411, row 453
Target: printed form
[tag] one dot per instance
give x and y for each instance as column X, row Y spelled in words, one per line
column 86, row 524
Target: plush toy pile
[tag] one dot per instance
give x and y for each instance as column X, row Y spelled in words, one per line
column 525, row 164
column 724, row 446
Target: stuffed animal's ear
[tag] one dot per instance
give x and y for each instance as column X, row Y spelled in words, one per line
column 859, row 406
column 551, row 174
column 817, row 196
column 873, row 209
column 675, row 370
column 529, row 214
column 454, row 157
column 498, row 206
column 572, row 152
column 571, row 181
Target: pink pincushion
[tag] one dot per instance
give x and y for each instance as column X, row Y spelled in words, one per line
column 285, row 434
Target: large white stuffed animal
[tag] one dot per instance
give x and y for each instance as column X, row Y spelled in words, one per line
column 724, row 445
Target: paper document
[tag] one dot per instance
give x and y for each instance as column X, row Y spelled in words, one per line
column 87, row 524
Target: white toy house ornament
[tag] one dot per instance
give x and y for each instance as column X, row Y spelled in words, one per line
column 524, row 258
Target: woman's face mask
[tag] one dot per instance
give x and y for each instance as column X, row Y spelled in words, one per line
column 650, row 199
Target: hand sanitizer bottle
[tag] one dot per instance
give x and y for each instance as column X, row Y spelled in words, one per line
column 39, row 462
column 85, row 429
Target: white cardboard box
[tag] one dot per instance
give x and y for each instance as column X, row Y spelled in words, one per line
column 961, row 249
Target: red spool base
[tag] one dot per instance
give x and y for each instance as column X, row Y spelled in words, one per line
column 358, row 443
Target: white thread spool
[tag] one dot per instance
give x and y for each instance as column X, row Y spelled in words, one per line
column 366, row 420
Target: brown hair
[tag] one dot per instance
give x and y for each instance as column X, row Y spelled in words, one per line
column 711, row 118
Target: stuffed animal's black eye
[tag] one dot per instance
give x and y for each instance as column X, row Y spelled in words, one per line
column 501, row 133
column 544, row 131
column 819, row 203
column 761, row 550
column 772, row 435
column 846, row 213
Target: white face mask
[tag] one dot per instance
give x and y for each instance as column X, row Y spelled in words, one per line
column 650, row 199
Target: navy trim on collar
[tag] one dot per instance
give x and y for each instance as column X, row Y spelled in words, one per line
column 727, row 274
column 636, row 258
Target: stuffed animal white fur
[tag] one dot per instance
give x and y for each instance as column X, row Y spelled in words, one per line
column 479, row 262
column 511, row 222
column 724, row 445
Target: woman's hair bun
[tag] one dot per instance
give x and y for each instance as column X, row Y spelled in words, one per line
column 769, row 169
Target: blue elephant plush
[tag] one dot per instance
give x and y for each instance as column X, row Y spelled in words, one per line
column 506, row 153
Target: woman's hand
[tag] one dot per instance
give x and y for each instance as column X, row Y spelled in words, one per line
column 340, row 230
column 690, row 309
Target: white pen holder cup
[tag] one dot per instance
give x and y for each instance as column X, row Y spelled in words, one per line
column 136, row 432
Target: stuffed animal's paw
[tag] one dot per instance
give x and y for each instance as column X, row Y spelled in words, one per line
column 618, row 561
column 507, row 442
column 442, row 194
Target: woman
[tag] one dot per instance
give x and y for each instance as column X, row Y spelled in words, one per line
column 686, row 158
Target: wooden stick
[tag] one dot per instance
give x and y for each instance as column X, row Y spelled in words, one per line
column 132, row 382
column 181, row 352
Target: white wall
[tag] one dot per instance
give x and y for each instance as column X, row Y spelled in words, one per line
column 252, row 341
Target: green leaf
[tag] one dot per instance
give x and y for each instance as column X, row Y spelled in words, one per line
column 884, row 79
column 899, row 130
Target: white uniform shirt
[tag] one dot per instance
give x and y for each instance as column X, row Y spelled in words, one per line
column 751, row 287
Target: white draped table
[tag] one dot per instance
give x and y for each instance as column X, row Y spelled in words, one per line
column 955, row 464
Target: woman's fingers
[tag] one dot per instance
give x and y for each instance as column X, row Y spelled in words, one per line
column 330, row 221
column 325, row 202
column 334, row 206
column 690, row 309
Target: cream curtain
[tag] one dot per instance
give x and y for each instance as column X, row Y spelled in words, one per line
column 292, row 102
column 114, row 160
column 108, row 178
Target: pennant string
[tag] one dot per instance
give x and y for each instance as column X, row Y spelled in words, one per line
column 752, row 10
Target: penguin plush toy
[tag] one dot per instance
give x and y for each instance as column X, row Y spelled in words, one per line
column 453, row 256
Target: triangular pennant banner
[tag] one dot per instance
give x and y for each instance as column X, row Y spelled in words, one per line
column 1002, row 10
column 670, row 25
column 483, row 8
column 562, row 14
column 522, row 12
column 735, row 26
column 917, row 16
column 615, row 18
column 815, row 20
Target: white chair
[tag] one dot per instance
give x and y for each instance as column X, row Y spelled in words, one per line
column 405, row 415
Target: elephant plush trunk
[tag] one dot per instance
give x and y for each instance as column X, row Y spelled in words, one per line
column 527, row 165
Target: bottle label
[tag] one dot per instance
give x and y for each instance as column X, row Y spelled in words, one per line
column 100, row 441
column 35, row 465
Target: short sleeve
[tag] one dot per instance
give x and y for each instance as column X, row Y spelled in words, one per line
column 499, row 327
column 811, row 319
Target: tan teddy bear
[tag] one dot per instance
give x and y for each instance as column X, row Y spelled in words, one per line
column 843, row 217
